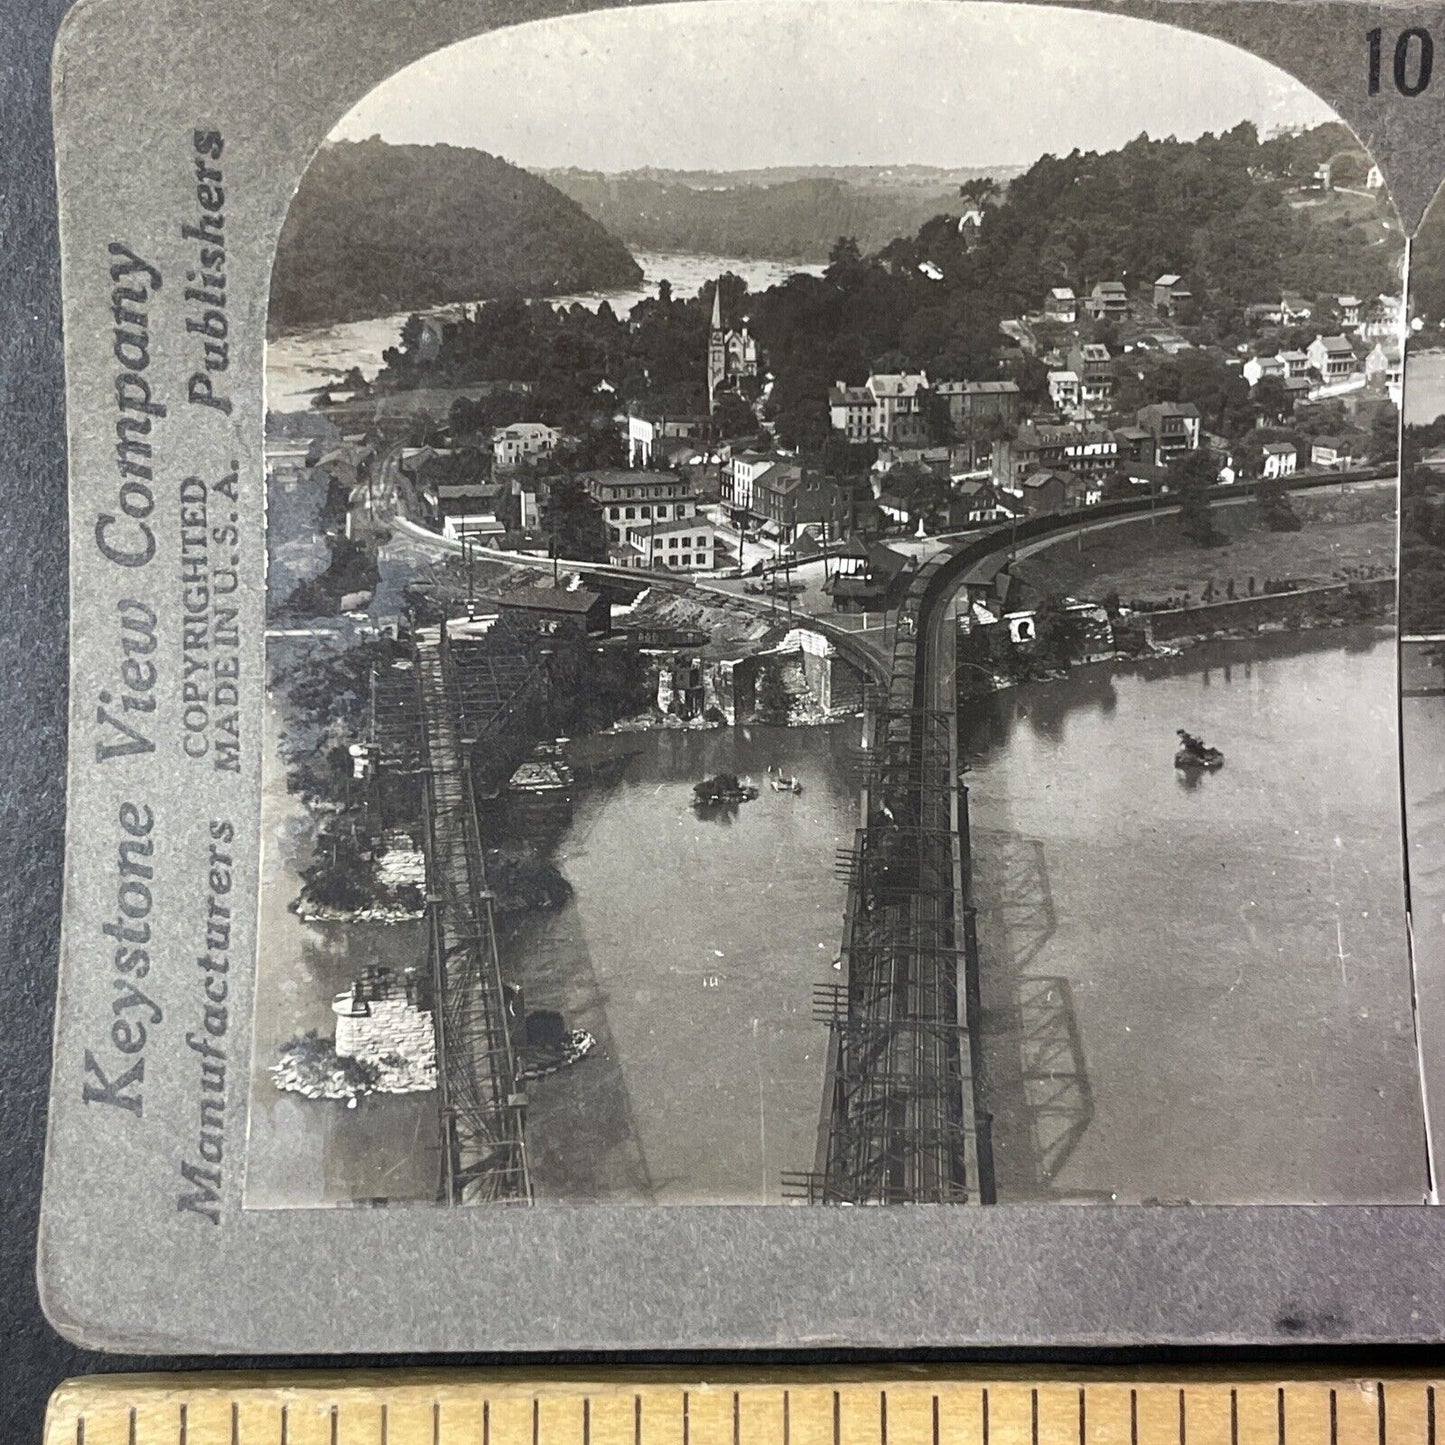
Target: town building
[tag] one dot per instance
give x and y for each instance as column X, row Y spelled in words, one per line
column 480, row 529
column 1173, row 425
column 1108, row 301
column 970, row 227
column 1061, row 305
column 1079, row 449
column 791, row 497
column 681, row 544
column 633, row 495
column 1337, row 453
column 851, row 411
column 1279, row 459
column 741, row 474
column 888, row 407
column 975, row 404
column 531, row 494
column 523, row 442
column 1333, row 357
column 899, row 401
column 867, row 576
column 1351, row 310
column 557, row 611
column 647, row 434
column 1297, row 363
column 732, row 355
column 1136, row 444
column 1053, row 491
column 1384, row 367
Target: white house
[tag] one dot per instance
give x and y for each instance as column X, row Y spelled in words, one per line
column 1258, row 367
column 1064, row 390
column 521, row 442
column 1333, row 357
column 1280, row 459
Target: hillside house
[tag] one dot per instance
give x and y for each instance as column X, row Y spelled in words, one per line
column 1091, row 362
column 1294, row 308
column 1065, row 392
column 1170, row 293
column 1257, row 368
column 1173, row 425
column 523, row 442
column 1351, row 311
column 1332, row 357
column 1108, row 301
column 1061, row 305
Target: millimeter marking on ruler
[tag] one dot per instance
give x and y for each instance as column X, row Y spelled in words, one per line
column 879, row 1406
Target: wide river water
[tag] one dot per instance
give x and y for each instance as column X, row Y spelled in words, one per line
column 1191, row 991
column 1199, row 988
column 300, row 362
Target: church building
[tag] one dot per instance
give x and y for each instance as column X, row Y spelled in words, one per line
column 732, row 355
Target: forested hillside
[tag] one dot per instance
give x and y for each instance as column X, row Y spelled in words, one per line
column 761, row 214
column 377, row 228
column 1227, row 212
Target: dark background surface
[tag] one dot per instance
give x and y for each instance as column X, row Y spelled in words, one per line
column 33, row 546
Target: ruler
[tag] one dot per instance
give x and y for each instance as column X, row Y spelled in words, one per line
column 887, row 1406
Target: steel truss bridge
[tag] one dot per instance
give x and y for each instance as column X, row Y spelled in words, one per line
column 901, row 1122
column 461, row 701
column 902, row 1119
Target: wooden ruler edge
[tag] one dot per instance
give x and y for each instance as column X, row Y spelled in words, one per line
column 520, row 1381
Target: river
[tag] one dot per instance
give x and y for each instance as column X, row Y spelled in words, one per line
column 299, row 362
column 1424, row 386
column 1193, row 988
column 1198, row 988
column 690, row 949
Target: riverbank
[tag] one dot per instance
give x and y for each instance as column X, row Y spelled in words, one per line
column 1150, row 564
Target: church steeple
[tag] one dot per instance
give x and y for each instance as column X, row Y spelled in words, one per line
column 717, row 349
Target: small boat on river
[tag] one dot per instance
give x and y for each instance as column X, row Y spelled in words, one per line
column 1195, row 755
column 724, row 788
column 783, row 784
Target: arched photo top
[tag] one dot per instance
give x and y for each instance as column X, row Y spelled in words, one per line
column 602, row 154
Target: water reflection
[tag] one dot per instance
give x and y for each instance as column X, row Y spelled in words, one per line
column 1225, row 957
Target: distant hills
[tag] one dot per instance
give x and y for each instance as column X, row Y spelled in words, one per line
column 378, row 228
column 783, row 213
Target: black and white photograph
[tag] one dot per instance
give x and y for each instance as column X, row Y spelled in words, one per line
column 831, row 626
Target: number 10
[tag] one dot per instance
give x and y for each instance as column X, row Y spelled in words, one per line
column 1414, row 50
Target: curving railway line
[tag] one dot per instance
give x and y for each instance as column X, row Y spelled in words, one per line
column 902, row 1118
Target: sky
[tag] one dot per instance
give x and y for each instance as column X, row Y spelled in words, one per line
column 738, row 84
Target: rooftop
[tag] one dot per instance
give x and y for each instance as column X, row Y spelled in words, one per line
column 578, row 600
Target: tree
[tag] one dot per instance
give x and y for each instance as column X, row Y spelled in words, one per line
column 1274, row 506
column 574, row 523
column 1190, row 478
